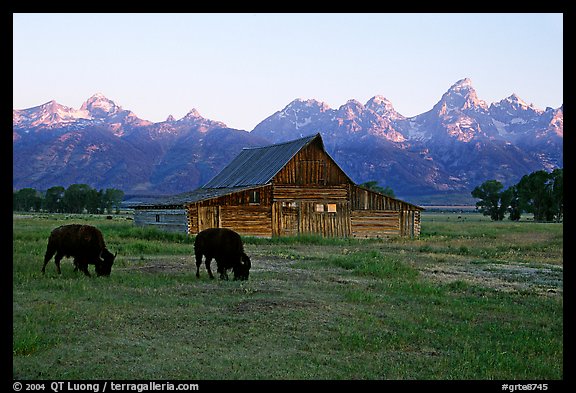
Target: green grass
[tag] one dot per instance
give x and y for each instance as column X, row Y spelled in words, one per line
column 470, row 299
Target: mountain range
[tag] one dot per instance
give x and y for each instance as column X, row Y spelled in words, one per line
column 445, row 152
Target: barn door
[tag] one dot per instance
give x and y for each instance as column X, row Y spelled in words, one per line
column 290, row 219
column 208, row 217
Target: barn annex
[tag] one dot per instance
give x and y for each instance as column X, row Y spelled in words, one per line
column 286, row 189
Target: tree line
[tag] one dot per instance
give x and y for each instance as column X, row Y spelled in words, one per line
column 77, row 198
column 540, row 193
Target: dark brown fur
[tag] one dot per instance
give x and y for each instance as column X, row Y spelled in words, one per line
column 226, row 247
column 84, row 243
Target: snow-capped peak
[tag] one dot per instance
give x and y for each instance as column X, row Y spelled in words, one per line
column 299, row 103
column 380, row 100
column 513, row 105
column 99, row 106
column 517, row 102
column 461, row 96
column 48, row 114
column 383, row 107
column 203, row 124
column 192, row 114
column 462, row 83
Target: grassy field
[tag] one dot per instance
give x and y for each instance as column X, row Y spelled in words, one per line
column 469, row 300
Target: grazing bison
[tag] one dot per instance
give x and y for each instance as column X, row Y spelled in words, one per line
column 226, row 247
column 83, row 242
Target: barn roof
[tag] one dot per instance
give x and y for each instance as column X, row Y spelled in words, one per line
column 182, row 199
column 258, row 165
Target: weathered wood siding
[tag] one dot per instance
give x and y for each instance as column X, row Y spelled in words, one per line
column 325, row 223
column 363, row 199
column 170, row 220
column 243, row 211
column 283, row 192
column 311, row 209
column 377, row 215
column 410, row 223
column 375, row 223
column 247, row 220
column 311, row 166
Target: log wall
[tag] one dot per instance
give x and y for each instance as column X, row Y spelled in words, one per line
column 375, row 223
column 238, row 211
column 170, row 220
column 377, row 215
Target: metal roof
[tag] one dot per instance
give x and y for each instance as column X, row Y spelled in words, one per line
column 257, row 166
column 180, row 200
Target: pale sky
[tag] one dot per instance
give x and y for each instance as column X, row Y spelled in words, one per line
column 241, row 68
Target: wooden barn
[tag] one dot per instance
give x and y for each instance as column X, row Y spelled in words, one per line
column 286, row 189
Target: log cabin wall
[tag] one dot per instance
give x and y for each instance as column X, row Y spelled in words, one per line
column 376, row 215
column 321, row 210
column 411, row 226
column 165, row 219
column 248, row 212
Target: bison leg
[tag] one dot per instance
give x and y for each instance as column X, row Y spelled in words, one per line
column 223, row 272
column 57, row 260
column 81, row 263
column 208, row 261
column 83, row 266
column 49, row 254
column 198, row 263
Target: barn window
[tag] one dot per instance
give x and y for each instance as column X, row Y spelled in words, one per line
column 319, row 208
column 254, row 197
column 331, row 208
column 157, row 217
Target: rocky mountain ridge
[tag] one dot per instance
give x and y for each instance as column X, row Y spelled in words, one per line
column 459, row 143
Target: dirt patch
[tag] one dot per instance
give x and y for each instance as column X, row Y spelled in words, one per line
column 160, row 264
column 510, row 277
column 271, row 304
column 182, row 264
column 544, row 279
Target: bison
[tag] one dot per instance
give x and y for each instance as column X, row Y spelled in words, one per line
column 226, row 247
column 84, row 243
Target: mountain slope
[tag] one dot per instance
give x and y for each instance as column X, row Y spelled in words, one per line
column 456, row 145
